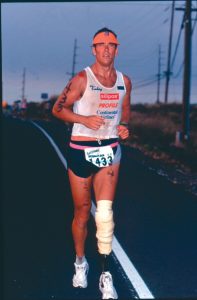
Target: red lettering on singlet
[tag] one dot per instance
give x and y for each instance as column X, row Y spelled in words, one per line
column 108, row 105
column 109, row 96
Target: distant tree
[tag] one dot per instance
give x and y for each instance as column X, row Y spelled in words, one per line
column 33, row 110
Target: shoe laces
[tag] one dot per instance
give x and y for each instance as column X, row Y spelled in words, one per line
column 80, row 269
column 107, row 280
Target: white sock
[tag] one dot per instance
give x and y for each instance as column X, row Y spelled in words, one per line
column 80, row 260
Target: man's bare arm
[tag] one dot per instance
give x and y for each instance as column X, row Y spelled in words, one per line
column 122, row 128
column 126, row 105
column 62, row 108
column 74, row 90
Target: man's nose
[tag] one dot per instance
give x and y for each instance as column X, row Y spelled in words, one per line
column 106, row 48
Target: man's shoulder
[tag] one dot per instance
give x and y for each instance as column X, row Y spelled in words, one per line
column 80, row 77
column 81, row 74
column 127, row 79
column 79, row 80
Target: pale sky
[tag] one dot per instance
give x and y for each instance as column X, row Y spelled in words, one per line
column 40, row 38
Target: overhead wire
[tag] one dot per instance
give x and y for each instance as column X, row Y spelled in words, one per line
column 179, row 70
column 140, row 62
column 148, row 83
column 178, row 41
column 195, row 20
column 144, row 80
column 130, row 26
column 192, row 30
column 144, row 55
column 134, row 37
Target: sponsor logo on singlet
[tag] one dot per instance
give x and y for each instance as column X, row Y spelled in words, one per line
column 95, row 88
column 114, row 96
column 107, row 114
column 108, row 105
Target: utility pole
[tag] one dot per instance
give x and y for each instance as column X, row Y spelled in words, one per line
column 159, row 75
column 23, row 84
column 74, row 60
column 187, row 70
column 168, row 71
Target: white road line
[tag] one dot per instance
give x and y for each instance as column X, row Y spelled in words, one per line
column 128, row 267
column 53, row 144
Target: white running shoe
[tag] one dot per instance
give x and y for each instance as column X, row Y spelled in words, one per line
column 80, row 277
column 106, row 286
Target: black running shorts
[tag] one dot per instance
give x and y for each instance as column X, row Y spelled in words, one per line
column 76, row 157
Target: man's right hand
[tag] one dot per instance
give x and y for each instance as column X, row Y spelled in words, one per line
column 93, row 122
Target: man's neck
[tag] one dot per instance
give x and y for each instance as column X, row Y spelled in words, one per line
column 104, row 71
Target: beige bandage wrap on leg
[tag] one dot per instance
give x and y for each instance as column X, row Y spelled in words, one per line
column 105, row 226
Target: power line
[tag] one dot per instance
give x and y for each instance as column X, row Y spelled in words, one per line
column 195, row 20
column 179, row 70
column 74, row 59
column 139, row 61
column 153, row 14
column 182, row 64
column 145, row 80
column 187, row 72
column 187, row 69
column 159, row 75
column 146, row 84
column 130, row 26
column 178, row 40
column 168, row 71
column 23, row 84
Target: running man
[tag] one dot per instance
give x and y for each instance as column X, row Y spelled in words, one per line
column 97, row 102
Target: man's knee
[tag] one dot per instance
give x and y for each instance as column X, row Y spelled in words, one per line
column 82, row 214
column 105, row 226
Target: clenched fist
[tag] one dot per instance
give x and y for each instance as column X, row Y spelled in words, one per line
column 123, row 132
column 93, row 122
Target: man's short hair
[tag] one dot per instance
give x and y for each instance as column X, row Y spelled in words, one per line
column 105, row 29
column 105, row 35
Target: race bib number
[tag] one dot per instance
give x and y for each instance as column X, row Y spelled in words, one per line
column 100, row 156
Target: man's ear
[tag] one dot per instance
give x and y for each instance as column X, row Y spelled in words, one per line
column 116, row 53
column 93, row 50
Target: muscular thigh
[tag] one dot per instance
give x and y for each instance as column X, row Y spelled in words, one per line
column 105, row 182
column 80, row 188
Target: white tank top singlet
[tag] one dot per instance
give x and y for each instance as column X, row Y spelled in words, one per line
column 103, row 101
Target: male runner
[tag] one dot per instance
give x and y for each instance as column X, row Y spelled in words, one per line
column 97, row 102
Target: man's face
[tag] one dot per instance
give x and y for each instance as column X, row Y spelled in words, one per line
column 105, row 53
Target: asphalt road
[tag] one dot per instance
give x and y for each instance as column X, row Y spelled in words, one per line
column 156, row 224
